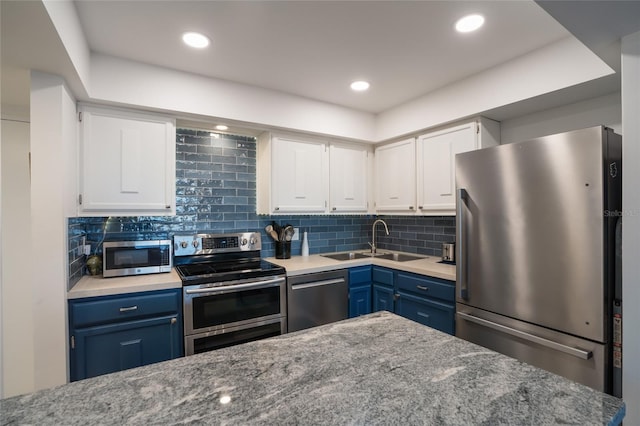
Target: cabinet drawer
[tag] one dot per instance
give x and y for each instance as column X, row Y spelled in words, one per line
column 123, row 308
column 382, row 275
column 436, row 315
column 359, row 276
column 426, row 286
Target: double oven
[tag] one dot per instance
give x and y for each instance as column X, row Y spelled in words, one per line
column 230, row 295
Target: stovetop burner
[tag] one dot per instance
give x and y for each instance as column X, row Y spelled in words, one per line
column 217, row 258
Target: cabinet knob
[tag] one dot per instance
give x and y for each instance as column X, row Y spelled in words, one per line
column 277, row 208
column 420, row 207
column 174, row 320
column 410, row 207
column 167, row 207
column 334, row 209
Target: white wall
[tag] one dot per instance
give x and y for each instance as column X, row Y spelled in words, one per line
column 124, row 82
column 18, row 346
column 66, row 21
column 52, row 116
column 551, row 68
column 631, row 226
column 604, row 110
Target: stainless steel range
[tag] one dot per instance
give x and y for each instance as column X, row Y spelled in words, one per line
column 230, row 295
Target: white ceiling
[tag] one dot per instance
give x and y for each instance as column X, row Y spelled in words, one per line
column 316, row 48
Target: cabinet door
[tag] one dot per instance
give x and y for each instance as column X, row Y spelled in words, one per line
column 382, row 298
column 127, row 163
column 396, row 177
column 115, row 347
column 359, row 301
column 348, row 178
column 299, row 176
column 434, row 314
column 436, row 166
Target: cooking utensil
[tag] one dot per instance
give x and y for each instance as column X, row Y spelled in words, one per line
column 288, row 233
column 271, row 232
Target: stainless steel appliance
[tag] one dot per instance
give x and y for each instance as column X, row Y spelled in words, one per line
column 121, row 258
column 449, row 252
column 316, row 299
column 535, row 236
column 230, row 295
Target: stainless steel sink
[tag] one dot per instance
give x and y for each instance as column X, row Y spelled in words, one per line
column 345, row 256
column 398, row 257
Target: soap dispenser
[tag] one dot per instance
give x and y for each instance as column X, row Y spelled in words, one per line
column 305, row 244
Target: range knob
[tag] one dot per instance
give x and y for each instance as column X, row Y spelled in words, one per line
column 184, row 244
column 252, row 241
column 243, row 242
column 195, row 243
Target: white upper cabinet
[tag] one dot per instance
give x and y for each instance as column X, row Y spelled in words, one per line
column 292, row 175
column 306, row 175
column 349, row 171
column 127, row 163
column 395, row 175
column 436, row 154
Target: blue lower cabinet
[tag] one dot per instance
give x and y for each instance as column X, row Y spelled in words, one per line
column 382, row 298
column 114, row 333
column 359, row 291
column 359, row 301
column 440, row 316
column 116, row 347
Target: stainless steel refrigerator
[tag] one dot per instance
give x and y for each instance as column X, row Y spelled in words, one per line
column 536, row 245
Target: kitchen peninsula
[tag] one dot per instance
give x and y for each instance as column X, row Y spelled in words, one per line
column 374, row 369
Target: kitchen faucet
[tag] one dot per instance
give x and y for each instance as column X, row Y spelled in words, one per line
column 373, row 234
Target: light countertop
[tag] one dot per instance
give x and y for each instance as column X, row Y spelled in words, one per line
column 427, row 265
column 375, row 369
column 90, row 286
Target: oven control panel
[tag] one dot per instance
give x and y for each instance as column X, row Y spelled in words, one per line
column 189, row 245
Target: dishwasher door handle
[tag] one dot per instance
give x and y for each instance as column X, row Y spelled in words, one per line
column 317, row 284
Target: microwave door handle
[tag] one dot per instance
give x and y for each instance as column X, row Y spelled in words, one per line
column 246, row 286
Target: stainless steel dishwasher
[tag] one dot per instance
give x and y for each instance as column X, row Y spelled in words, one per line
column 316, row 299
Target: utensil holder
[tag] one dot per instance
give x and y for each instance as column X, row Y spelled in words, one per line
column 283, row 249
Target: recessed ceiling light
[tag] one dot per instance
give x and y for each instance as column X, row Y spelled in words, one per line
column 197, row 40
column 469, row 23
column 360, row 86
column 222, row 127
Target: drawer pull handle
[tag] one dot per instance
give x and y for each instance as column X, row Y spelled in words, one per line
column 129, row 309
column 421, row 287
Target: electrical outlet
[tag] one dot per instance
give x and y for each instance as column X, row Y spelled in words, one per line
column 87, row 249
column 296, row 234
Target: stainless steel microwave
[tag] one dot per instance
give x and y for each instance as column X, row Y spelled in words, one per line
column 123, row 258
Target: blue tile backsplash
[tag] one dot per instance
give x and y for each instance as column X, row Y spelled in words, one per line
column 216, row 192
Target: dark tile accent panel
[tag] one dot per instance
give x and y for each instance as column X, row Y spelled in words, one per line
column 417, row 234
column 216, row 192
column 77, row 259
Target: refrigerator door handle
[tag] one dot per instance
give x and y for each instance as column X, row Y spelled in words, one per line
column 460, row 262
column 529, row 337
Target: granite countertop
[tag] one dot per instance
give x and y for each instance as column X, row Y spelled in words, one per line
column 90, row 286
column 426, row 265
column 375, row 369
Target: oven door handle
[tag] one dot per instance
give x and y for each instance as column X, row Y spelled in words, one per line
column 258, row 284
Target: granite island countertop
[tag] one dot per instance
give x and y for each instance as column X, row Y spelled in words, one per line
column 375, row 369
